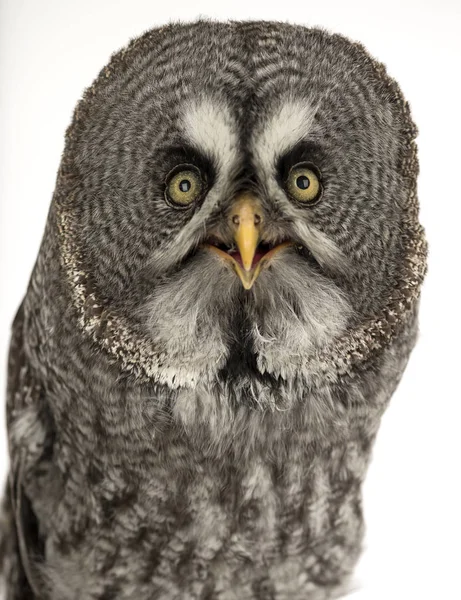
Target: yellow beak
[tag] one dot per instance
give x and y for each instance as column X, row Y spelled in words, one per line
column 246, row 220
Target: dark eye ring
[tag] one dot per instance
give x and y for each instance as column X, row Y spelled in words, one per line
column 184, row 186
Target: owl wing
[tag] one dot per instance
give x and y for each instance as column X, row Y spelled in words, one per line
column 21, row 541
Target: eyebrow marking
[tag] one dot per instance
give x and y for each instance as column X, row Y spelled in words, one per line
column 288, row 125
column 210, row 127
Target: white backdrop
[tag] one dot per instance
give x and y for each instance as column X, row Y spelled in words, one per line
column 50, row 50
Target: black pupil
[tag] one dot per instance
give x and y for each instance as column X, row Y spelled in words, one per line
column 303, row 182
column 185, row 185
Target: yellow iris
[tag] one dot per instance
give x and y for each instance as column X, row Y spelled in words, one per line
column 303, row 184
column 184, row 187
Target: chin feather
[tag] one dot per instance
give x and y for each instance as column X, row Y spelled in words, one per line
column 189, row 314
column 292, row 311
column 297, row 311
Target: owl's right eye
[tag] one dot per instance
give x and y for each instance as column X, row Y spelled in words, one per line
column 184, row 186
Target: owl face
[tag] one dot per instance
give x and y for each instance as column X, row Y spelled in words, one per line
column 240, row 192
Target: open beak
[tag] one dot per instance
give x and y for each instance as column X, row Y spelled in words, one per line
column 250, row 256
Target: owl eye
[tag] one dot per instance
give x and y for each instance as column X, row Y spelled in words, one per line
column 303, row 183
column 184, row 185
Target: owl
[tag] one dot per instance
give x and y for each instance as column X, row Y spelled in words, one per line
column 224, row 300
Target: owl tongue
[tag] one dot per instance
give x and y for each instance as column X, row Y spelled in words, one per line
column 260, row 252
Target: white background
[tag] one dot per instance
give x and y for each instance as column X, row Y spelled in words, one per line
column 50, row 50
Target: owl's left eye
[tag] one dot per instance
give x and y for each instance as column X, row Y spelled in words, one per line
column 303, row 183
column 184, row 186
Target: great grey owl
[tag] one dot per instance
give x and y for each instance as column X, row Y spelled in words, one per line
column 224, row 301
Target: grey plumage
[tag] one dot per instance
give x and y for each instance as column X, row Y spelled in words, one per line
column 172, row 435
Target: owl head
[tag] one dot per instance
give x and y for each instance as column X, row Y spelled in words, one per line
column 239, row 198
